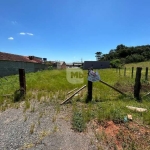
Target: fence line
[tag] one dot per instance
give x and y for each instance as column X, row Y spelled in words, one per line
column 132, row 71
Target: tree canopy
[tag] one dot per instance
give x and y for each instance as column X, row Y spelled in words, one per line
column 125, row 54
column 98, row 55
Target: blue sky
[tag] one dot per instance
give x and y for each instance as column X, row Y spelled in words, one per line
column 72, row 30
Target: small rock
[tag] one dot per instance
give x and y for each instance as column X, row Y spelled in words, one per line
column 129, row 117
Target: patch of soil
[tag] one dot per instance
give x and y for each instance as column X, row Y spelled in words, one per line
column 130, row 88
column 124, row 88
column 124, row 136
column 110, row 129
column 145, row 87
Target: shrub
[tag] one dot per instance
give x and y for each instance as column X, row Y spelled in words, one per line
column 116, row 63
column 78, row 121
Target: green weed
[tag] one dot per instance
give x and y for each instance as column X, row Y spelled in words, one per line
column 32, row 109
column 78, row 121
column 25, row 118
column 32, row 128
column 55, row 129
column 27, row 105
column 54, row 118
column 146, row 118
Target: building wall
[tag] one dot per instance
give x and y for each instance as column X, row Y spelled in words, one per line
column 58, row 65
column 63, row 66
column 11, row 67
column 96, row 64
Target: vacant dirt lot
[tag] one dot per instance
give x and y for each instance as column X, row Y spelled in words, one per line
column 45, row 127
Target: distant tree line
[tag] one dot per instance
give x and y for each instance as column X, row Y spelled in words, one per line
column 123, row 55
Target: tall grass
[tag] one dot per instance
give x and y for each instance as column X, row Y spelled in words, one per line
column 55, row 81
column 143, row 65
column 139, row 64
column 52, row 85
column 51, row 81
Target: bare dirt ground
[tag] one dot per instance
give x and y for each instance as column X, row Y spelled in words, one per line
column 125, row 136
column 45, row 127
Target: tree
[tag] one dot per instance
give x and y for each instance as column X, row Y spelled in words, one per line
column 119, row 47
column 98, row 56
column 115, row 63
column 126, row 54
column 134, row 58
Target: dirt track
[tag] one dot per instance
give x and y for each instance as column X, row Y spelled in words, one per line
column 51, row 130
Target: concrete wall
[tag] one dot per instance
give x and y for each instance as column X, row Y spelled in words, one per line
column 11, row 67
column 96, row 64
column 61, row 66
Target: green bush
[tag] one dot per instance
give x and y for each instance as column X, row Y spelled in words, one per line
column 78, row 121
column 134, row 58
column 115, row 63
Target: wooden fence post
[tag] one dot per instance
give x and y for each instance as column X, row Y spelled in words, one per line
column 89, row 96
column 132, row 72
column 22, row 81
column 146, row 74
column 125, row 71
column 116, row 70
column 137, row 85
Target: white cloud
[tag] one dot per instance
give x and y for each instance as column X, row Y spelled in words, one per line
column 14, row 22
column 30, row 34
column 22, row 33
column 10, row 38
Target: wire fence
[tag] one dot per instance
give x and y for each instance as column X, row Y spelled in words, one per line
column 131, row 72
column 10, row 84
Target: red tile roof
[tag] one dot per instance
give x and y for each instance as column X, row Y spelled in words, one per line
column 13, row 57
